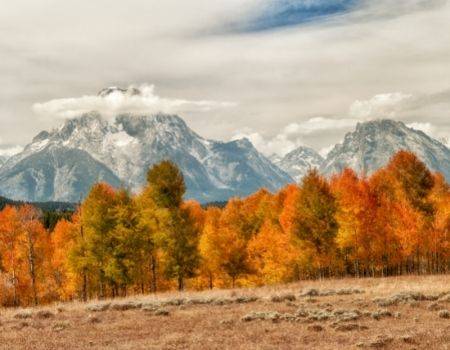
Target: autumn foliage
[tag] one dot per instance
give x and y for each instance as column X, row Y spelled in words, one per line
column 397, row 221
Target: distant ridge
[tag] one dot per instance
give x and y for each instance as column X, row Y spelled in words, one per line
column 46, row 206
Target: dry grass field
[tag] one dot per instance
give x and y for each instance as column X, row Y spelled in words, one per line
column 390, row 313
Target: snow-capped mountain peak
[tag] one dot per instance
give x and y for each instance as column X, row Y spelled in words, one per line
column 373, row 143
column 297, row 162
column 62, row 164
column 129, row 145
column 131, row 91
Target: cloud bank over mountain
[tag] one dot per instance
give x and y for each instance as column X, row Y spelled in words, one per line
column 112, row 101
column 281, row 62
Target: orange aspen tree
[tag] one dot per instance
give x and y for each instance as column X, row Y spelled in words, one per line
column 10, row 230
column 314, row 222
column 36, row 247
column 209, row 247
column 272, row 256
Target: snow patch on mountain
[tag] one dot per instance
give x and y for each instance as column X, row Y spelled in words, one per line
column 129, row 145
column 297, row 162
column 373, row 143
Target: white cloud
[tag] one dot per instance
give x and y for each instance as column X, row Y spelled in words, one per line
column 319, row 124
column 10, row 151
column 7, row 151
column 280, row 144
column 397, row 104
column 294, row 134
column 279, row 77
column 441, row 134
column 379, row 106
column 134, row 100
column 410, row 108
column 427, row 128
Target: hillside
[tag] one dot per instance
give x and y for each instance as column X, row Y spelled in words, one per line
column 388, row 313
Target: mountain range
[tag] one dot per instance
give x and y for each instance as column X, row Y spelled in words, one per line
column 62, row 164
column 373, row 143
column 369, row 148
column 297, row 162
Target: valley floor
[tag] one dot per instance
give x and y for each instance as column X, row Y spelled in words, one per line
column 390, row 313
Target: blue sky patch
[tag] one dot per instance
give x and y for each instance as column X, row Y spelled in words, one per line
column 284, row 13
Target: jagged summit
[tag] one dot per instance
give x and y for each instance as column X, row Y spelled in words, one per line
column 373, row 143
column 63, row 163
column 368, row 148
column 297, row 162
column 127, row 147
column 131, row 91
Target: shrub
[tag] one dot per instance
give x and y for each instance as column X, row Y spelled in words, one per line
column 98, row 307
column 20, row 325
column 23, row 314
column 223, row 301
column 174, row 302
column 161, row 312
column 385, row 313
column 349, row 316
column 246, row 299
column 130, row 305
column 283, row 297
column 315, row 328
column 149, row 307
column 349, row 291
column 349, row 327
column 44, row 314
column 262, row 315
column 408, row 339
column 310, row 293
column 435, row 307
column 93, row 319
column 444, row 314
column 380, row 341
column 60, row 326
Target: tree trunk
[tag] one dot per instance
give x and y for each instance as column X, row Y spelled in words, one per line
column 153, row 276
column 101, row 292
column 32, row 266
column 210, row 281
column 14, row 281
column 84, row 290
column 180, row 283
column 14, row 278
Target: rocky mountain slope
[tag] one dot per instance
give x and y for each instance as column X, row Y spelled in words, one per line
column 297, row 162
column 62, row 164
column 54, row 173
column 373, row 143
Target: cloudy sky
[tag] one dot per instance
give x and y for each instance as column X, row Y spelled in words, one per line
column 281, row 72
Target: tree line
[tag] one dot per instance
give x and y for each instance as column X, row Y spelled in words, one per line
column 396, row 221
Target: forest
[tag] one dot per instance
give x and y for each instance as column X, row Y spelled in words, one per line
column 394, row 222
